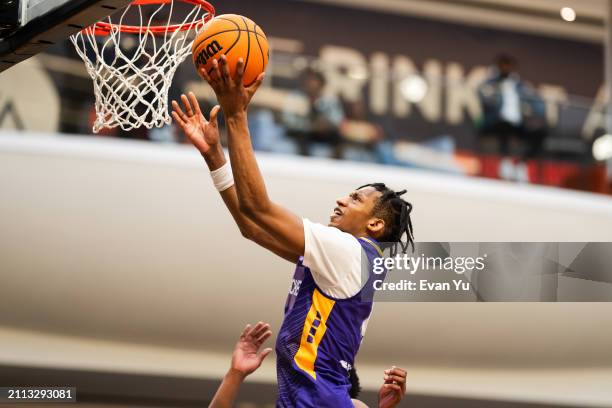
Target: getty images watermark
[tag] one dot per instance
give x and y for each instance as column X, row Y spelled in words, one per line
column 493, row 272
column 411, row 265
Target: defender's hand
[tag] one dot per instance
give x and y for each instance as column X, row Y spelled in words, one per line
column 233, row 96
column 203, row 134
column 394, row 388
column 245, row 359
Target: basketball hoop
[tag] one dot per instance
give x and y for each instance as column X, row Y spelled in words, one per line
column 131, row 81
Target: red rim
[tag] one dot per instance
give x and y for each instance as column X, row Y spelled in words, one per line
column 104, row 28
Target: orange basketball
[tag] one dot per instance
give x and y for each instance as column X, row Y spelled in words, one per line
column 236, row 37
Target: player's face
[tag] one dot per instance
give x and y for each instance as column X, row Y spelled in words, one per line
column 354, row 211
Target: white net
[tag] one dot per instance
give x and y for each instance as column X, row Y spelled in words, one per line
column 132, row 67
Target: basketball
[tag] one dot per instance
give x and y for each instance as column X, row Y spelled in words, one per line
column 236, row 37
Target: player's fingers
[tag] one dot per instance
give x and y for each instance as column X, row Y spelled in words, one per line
column 396, row 388
column 395, row 378
column 255, row 86
column 187, row 105
column 259, row 328
column 225, row 73
column 215, row 80
column 213, row 115
column 178, row 119
column 215, row 75
column 263, row 337
column 397, row 371
column 179, row 111
column 239, row 70
column 398, row 368
column 264, row 354
column 206, row 75
column 249, row 335
column 246, row 331
column 194, row 103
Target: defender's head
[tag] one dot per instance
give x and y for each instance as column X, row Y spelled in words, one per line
column 355, row 389
column 375, row 211
column 355, row 385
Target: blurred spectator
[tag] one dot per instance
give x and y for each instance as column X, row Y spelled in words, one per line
column 357, row 130
column 267, row 135
column 360, row 136
column 512, row 108
column 322, row 121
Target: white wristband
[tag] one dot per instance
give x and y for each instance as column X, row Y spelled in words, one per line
column 223, row 177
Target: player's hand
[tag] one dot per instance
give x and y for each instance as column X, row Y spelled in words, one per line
column 203, row 134
column 233, row 96
column 246, row 358
column 393, row 389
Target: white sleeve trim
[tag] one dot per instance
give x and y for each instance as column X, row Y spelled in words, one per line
column 334, row 258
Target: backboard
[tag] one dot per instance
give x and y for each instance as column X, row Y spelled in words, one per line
column 27, row 27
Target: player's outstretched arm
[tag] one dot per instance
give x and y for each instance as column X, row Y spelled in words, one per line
column 204, row 135
column 234, row 99
column 245, row 360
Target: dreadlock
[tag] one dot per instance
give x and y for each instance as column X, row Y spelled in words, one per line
column 355, row 385
column 395, row 211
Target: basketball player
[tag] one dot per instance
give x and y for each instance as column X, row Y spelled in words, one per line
column 329, row 304
column 247, row 358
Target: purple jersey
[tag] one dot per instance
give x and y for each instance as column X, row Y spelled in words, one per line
column 319, row 339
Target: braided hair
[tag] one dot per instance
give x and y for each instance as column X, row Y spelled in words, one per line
column 355, row 385
column 395, row 211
